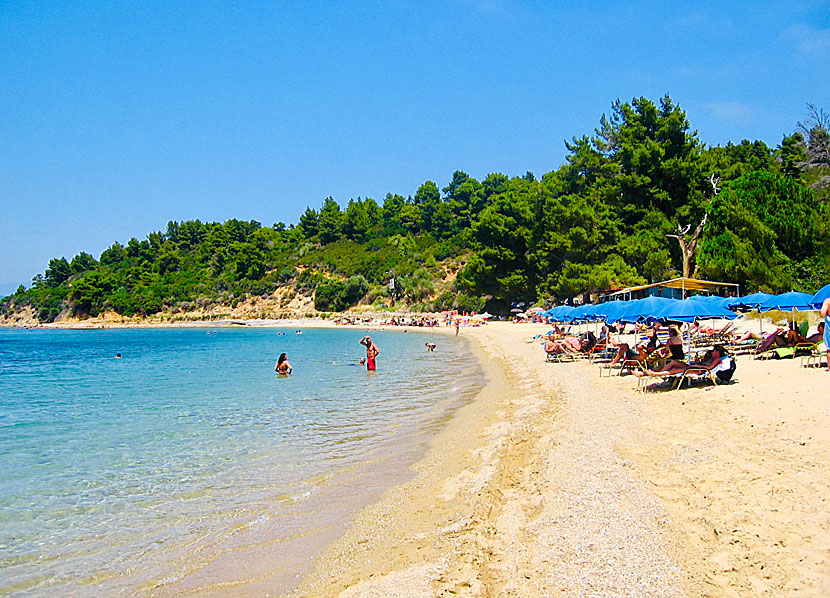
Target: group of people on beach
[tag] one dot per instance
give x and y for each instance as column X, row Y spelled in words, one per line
column 284, row 368
column 672, row 351
column 672, row 354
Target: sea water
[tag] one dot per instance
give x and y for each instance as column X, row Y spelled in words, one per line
column 187, row 464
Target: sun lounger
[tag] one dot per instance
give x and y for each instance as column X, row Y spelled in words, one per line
column 813, row 359
column 559, row 357
column 801, row 349
column 744, row 348
column 720, row 374
column 621, row 366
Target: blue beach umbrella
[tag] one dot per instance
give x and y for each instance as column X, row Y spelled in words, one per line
column 559, row 313
column 749, row 301
column 788, row 302
column 643, row 309
column 708, row 299
column 792, row 301
column 689, row 310
column 592, row 312
column 817, row 299
column 611, row 310
column 578, row 313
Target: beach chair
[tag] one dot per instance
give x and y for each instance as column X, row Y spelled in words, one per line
column 798, row 350
column 621, row 366
column 559, row 357
column 720, row 374
column 744, row 348
column 813, row 359
column 725, row 333
column 694, row 374
column 601, row 352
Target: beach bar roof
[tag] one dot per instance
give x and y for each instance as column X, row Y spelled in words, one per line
column 676, row 288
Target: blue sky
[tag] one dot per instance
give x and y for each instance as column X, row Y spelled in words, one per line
column 117, row 117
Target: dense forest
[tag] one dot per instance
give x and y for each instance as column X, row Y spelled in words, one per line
column 615, row 214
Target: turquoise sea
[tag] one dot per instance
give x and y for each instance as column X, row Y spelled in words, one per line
column 188, row 464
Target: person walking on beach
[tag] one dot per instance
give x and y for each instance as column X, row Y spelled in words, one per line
column 825, row 313
column 371, row 352
column 456, row 327
column 283, row 368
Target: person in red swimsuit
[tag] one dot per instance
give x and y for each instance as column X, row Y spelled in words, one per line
column 371, row 352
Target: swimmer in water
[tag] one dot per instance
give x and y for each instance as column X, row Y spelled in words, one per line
column 118, row 355
column 430, row 347
column 283, row 368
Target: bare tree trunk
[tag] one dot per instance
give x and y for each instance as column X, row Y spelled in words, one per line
column 688, row 248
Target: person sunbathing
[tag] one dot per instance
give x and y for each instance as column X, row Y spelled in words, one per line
column 782, row 338
column 570, row 344
column 816, row 338
column 640, row 352
column 710, row 359
column 747, row 336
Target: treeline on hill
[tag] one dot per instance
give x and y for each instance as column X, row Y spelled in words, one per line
column 600, row 221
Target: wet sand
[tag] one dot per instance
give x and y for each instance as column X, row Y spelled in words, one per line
column 556, row 482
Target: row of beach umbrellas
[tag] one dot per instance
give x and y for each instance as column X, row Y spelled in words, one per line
column 697, row 307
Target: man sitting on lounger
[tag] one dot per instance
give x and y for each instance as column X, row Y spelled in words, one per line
column 710, row 360
column 818, row 336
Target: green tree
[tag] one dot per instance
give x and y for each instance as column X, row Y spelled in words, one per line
column 58, row 272
column 309, row 223
column 658, row 159
column 330, row 221
column 761, row 226
column 82, row 262
column 793, row 155
column 428, row 200
column 502, row 238
column 361, row 219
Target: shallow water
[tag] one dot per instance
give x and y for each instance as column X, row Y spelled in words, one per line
column 188, row 464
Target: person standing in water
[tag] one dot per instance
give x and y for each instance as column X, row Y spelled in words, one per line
column 283, row 368
column 371, row 352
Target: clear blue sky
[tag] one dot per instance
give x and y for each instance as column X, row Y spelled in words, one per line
column 116, row 117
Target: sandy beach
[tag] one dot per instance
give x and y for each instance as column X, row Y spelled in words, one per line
column 556, row 482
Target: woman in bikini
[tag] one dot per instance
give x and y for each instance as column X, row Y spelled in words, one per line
column 709, row 361
column 283, row 368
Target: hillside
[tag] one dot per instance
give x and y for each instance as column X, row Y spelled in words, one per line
column 608, row 218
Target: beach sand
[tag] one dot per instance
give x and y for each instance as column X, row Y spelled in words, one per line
column 556, row 482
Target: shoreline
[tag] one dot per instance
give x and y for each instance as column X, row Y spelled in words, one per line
column 271, row 548
column 556, row 481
